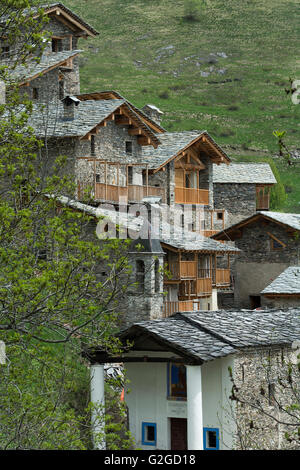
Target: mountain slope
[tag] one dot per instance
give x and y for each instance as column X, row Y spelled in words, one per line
column 224, row 68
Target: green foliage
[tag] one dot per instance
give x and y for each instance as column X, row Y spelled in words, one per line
column 53, row 301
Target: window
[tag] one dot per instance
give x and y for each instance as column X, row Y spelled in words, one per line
column 35, row 93
column 61, row 89
column 97, row 178
column 211, row 438
column 177, row 381
column 275, row 243
column 149, row 434
column 157, row 276
column 5, row 50
column 130, row 175
column 93, row 147
column 220, row 215
column 56, row 45
column 128, row 147
column 271, row 393
column 140, row 275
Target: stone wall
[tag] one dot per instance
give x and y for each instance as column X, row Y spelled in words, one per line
column 280, row 302
column 261, row 377
column 46, row 87
column 110, row 144
column 238, row 199
column 257, row 264
column 145, row 302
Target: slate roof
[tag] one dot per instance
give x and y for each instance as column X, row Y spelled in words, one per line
column 61, row 6
column 102, row 95
column 48, row 118
column 288, row 219
column 258, row 173
column 72, row 14
column 186, row 240
column 288, row 282
column 184, row 337
column 48, row 61
column 172, row 143
column 207, row 335
column 168, row 234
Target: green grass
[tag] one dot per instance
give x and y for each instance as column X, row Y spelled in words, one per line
column 239, row 108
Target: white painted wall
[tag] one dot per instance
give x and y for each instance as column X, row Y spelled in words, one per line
column 147, row 401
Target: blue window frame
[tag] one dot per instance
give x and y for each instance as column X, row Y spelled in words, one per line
column 211, row 439
column 149, row 434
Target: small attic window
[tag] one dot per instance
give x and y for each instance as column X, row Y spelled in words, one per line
column 276, row 244
column 220, row 215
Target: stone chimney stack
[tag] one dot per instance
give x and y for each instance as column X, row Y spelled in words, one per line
column 2, row 92
column 70, row 102
column 153, row 112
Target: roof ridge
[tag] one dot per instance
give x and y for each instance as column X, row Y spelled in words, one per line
column 204, row 329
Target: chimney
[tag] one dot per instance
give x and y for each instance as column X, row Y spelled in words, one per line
column 69, row 103
column 2, row 92
column 153, row 112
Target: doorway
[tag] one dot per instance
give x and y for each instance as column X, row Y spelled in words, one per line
column 255, row 301
column 178, row 433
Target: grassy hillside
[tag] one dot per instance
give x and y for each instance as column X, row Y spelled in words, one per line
column 220, row 65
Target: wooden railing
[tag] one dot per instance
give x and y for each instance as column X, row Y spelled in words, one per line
column 222, row 278
column 111, row 192
column 196, row 288
column 180, row 306
column 191, row 196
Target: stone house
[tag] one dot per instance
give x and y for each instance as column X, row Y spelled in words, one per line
column 241, row 189
column 284, row 291
column 182, row 371
column 57, row 73
column 269, row 243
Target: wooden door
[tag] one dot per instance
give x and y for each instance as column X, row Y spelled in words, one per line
column 178, row 434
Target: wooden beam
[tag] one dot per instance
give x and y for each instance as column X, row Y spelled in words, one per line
column 144, row 141
column 135, row 131
column 123, row 120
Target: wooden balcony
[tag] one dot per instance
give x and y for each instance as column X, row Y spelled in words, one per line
column 188, row 269
column 180, row 306
column 179, row 270
column 133, row 193
column 222, row 278
column 201, row 287
column 191, row 196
